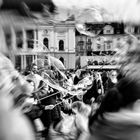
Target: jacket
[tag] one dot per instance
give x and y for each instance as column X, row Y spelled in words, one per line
column 122, row 125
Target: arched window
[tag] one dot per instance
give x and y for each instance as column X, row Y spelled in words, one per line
column 46, row 42
column 61, row 45
column 61, row 59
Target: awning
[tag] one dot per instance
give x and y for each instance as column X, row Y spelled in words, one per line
column 104, row 67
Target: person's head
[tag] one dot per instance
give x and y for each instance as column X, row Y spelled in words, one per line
column 78, row 73
column 18, row 69
column 34, row 68
column 105, row 74
column 98, row 76
column 113, row 74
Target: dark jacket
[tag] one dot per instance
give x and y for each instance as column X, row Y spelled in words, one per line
column 92, row 92
column 108, row 84
column 51, row 116
column 122, row 125
column 76, row 80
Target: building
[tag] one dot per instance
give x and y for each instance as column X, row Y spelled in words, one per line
column 94, row 52
column 28, row 38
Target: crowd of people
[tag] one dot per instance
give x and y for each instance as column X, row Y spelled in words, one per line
column 107, row 108
column 101, row 82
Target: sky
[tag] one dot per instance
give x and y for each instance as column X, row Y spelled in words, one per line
column 102, row 10
column 90, row 10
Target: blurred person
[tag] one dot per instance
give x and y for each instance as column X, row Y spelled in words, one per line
column 18, row 69
column 70, row 79
column 104, row 77
column 72, row 126
column 95, row 91
column 77, row 77
column 27, row 71
column 35, row 77
column 98, row 79
column 34, row 69
column 13, row 123
column 76, row 80
column 118, row 117
column 51, row 115
column 112, row 80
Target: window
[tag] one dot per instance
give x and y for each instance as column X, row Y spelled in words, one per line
column 108, row 44
column 129, row 29
column 8, row 36
column 81, row 45
column 19, row 39
column 30, row 38
column 8, row 39
column 98, row 46
column 89, row 43
column 61, row 45
column 46, row 42
column 89, row 40
column 18, row 62
column 36, row 31
column 62, row 59
column 29, row 60
column 108, row 29
column 89, row 49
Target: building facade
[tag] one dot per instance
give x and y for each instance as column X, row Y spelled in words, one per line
column 26, row 39
column 99, row 50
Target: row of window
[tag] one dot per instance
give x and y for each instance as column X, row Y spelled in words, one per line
column 95, row 53
column 61, row 44
column 19, row 38
column 29, row 40
column 106, row 46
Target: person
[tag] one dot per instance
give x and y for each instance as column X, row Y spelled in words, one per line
column 52, row 114
column 77, row 77
column 112, row 80
column 13, row 124
column 117, row 118
column 35, row 77
column 104, row 77
column 40, row 110
column 27, row 71
column 95, row 91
